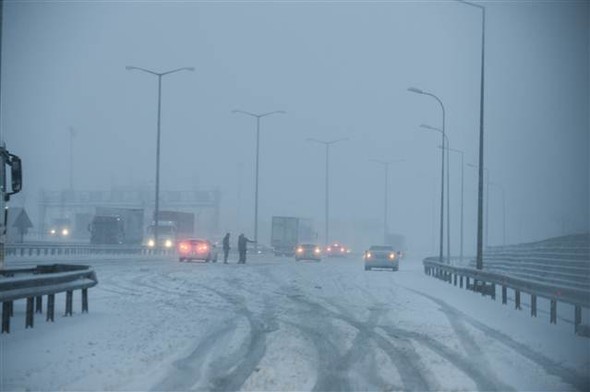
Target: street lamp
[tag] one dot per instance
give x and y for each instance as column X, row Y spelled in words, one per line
column 385, row 165
column 448, row 167
column 159, row 75
column 487, row 180
column 327, row 201
column 479, row 259
column 462, row 167
column 442, row 175
column 258, row 117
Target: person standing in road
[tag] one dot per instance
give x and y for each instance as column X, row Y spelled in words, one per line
column 225, row 247
column 243, row 247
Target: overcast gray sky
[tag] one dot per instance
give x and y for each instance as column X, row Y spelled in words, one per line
column 339, row 69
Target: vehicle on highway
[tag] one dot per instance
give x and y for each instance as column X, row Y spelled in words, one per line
column 197, row 249
column 308, row 252
column 381, row 256
column 337, row 250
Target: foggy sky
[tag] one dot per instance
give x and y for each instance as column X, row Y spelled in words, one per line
column 339, row 69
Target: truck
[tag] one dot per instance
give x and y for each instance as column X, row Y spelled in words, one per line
column 116, row 226
column 173, row 226
column 7, row 159
column 287, row 232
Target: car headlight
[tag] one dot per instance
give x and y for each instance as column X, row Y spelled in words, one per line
column 168, row 244
column 317, row 250
column 299, row 250
column 392, row 256
column 151, row 243
column 369, row 255
column 52, row 231
column 65, row 232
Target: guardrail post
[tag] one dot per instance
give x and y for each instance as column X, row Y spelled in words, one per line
column 84, row 300
column 50, row 307
column 69, row 297
column 454, row 279
column 504, row 295
column 553, row 317
column 467, row 282
column 517, row 299
column 577, row 317
column 533, row 305
column 39, row 304
column 29, row 317
column 6, row 316
column 493, row 291
column 461, row 281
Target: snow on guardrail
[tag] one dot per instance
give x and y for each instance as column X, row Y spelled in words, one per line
column 33, row 283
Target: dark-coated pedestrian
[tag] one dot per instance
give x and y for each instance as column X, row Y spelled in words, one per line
column 243, row 248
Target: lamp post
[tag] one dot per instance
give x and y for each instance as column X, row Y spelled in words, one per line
column 159, row 75
column 327, row 201
column 487, row 181
column 448, row 169
column 479, row 259
column 385, row 165
column 258, row 117
column 442, row 175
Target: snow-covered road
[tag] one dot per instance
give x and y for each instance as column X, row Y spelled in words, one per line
column 277, row 324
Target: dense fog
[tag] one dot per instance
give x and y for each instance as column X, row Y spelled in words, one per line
column 337, row 70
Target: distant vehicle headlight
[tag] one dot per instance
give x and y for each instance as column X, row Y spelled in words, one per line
column 299, row 250
column 392, row 256
column 52, row 231
column 65, row 232
column 317, row 250
column 369, row 255
column 168, row 244
column 151, row 243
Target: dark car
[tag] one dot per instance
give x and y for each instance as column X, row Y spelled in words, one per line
column 308, row 252
column 197, row 249
column 381, row 256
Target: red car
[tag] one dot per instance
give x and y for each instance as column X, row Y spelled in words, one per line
column 337, row 250
column 197, row 249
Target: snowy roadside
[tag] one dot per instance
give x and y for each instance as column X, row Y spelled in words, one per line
column 275, row 324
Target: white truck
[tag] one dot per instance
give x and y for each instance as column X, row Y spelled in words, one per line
column 287, row 232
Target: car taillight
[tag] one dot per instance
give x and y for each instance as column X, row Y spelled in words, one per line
column 329, row 249
column 202, row 248
column 342, row 250
column 184, row 247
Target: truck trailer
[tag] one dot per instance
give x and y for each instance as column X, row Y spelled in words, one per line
column 117, row 226
column 287, row 232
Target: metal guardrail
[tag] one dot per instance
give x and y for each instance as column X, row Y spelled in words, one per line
column 40, row 249
column 33, row 283
column 485, row 282
column 561, row 261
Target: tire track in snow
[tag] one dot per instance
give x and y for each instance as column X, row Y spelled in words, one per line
column 244, row 362
column 569, row 376
column 187, row 371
